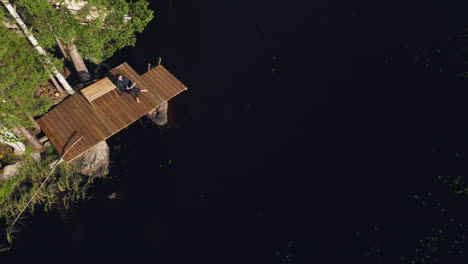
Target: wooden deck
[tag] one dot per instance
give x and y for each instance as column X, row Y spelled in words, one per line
column 76, row 117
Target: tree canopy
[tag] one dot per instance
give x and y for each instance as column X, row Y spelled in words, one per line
column 21, row 72
column 99, row 28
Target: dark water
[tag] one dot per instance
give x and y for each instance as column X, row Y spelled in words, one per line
column 302, row 138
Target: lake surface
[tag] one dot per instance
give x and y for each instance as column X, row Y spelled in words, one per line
column 303, row 138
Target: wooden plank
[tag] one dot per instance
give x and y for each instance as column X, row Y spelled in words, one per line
column 165, row 95
column 79, row 152
column 176, row 81
column 87, row 114
column 157, row 85
column 167, row 82
column 160, row 85
column 110, row 113
column 180, row 86
column 103, row 128
column 120, row 108
column 52, row 135
column 101, row 112
column 91, row 134
column 57, row 126
column 115, row 113
column 84, row 122
column 128, row 102
column 164, row 86
column 74, row 122
column 132, row 104
column 128, row 109
column 67, row 124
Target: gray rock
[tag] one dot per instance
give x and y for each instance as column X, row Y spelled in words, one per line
column 159, row 114
column 18, row 147
column 152, row 115
column 36, row 156
column 11, row 170
column 94, row 161
column 112, row 196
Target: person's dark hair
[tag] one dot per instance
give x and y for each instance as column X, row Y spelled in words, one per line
column 118, row 75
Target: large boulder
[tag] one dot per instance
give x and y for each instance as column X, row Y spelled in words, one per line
column 94, row 161
column 159, row 114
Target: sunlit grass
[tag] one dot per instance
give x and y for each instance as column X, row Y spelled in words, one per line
column 66, row 185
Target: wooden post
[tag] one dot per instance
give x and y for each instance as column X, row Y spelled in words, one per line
column 159, row 61
column 43, row 139
column 148, row 67
column 62, row 48
column 57, row 86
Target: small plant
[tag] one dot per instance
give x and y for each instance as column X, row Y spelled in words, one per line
column 50, row 154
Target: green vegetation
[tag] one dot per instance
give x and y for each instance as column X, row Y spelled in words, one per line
column 65, row 186
column 21, row 72
column 99, row 28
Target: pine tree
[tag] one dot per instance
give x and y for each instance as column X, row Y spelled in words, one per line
column 21, row 72
column 98, row 29
column 35, row 44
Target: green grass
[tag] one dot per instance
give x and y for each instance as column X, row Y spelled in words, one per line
column 5, row 190
column 66, row 185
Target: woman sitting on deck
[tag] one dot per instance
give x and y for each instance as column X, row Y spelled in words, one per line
column 126, row 86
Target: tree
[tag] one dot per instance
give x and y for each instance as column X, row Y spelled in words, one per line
column 97, row 27
column 21, row 72
column 35, row 44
